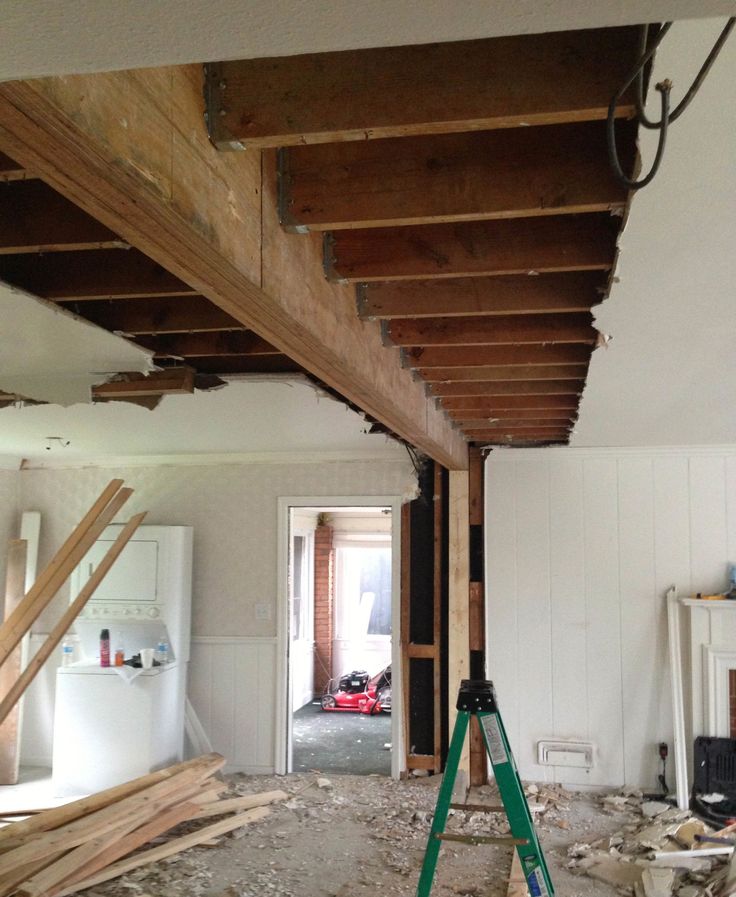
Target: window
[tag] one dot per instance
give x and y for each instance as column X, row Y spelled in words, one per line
column 363, row 590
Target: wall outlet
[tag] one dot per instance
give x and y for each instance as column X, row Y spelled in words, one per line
column 263, row 611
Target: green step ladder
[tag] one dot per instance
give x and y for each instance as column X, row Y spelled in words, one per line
column 478, row 698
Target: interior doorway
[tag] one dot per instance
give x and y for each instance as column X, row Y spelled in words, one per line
column 339, row 635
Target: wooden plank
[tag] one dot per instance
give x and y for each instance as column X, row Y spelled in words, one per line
column 15, row 580
column 421, row 761
column 509, row 388
column 34, row 218
column 172, row 314
column 458, row 662
column 472, row 248
column 58, row 570
column 502, row 294
column 491, row 356
column 493, row 404
column 503, row 414
column 10, row 170
column 169, row 849
column 52, row 640
column 156, row 181
column 193, row 345
column 500, row 331
column 510, row 433
column 515, row 372
column 507, row 173
column 438, row 574
column 432, row 88
column 404, row 635
column 517, row 880
column 423, row 652
column 172, row 381
column 206, row 766
column 96, row 274
column 502, row 423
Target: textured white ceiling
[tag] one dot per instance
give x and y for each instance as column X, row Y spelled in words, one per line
column 281, row 417
column 43, row 37
column 668, row 376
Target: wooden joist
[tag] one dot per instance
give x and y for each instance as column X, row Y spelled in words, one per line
column 247, row 364
column 432, row 88
column 492, row 404
column 10, row 170
column 504, row 423
column 500, row 295
column 192, row 345
column 497, row 331
column 450, row 177
column 491, row 356
column 34, row 218
column 518, row 434
column 509, row 388
column 171, row 314
column 514, row 372
column 96, row 274
column 464, row 417
column 472, row 248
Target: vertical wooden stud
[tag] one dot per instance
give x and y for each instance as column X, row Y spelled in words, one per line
column 458, row 617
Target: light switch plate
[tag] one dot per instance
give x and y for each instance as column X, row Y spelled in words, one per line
column 263, row 611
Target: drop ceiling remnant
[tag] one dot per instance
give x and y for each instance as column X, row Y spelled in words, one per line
column 49, row 355
column 668, row 376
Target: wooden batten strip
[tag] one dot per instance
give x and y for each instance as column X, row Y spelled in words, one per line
column 498, row 82
column 498, row 295
column 557, row 243
column 422, row 652
column 516, row 372
column 477, row 175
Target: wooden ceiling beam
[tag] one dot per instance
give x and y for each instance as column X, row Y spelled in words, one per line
column 476, row 419
column 170, row 314
column 472, row 248
column 500, row 295
column 518, row 436
column 96, row 274
column 506, row 173
column 131, row 149
column 508, row 387
column 507, row 423
column 492, row 356
column 213, row 343
column 497, row 331
column 449, row 87
column 34, row 218
column 501, row 404
column 10, row 170
column 513, row 372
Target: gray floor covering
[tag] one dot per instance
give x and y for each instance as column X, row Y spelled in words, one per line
column 341, row 742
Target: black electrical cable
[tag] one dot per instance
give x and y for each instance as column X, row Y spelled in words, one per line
column 664, row 87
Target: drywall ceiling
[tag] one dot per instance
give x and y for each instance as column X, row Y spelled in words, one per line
column 43, row 37
column 280, row 417
column 668, row 374
column 50, row 355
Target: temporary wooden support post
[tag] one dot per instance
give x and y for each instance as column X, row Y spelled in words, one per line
column 476, row 607
column 69, row 616
column 11, row 669
column 439, row 543
column 458, row 615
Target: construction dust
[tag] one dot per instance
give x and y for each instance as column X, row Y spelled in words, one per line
column 355, row 836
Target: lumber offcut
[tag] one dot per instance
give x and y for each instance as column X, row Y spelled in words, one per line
column 70, row 848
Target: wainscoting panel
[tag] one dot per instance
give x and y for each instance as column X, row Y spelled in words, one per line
column 232, row 687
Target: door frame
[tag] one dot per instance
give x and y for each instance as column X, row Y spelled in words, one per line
column 283, row 739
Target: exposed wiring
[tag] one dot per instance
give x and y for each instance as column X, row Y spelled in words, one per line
column 414, row 458
column 667, row 117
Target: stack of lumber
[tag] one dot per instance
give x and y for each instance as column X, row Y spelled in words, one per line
column 66, row 849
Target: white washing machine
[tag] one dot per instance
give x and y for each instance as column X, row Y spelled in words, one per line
column 109, row 728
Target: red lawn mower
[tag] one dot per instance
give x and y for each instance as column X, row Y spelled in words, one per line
column 356, row 692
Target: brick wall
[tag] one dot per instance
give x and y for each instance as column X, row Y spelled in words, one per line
column 324, row 565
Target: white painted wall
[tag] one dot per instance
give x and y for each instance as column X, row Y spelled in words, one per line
column 233, row 509
column 581, row 547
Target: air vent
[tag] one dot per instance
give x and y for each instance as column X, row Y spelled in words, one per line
column 565, row 753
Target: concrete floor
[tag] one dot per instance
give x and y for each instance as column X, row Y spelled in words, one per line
column 341, row 742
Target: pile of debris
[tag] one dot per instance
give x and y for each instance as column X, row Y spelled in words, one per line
column 69, row 848
column 660, row 850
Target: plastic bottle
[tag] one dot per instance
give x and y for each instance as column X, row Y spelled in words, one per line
column 67, row 653
column 119, row 656
column 162, row 651
column 105, row 648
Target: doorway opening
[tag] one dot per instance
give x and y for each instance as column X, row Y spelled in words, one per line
column 339, row 641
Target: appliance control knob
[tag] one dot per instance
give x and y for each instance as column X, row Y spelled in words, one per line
column 152, row 611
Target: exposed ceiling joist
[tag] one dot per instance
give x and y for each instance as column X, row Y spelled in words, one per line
column 492, row 404
column 512, row 330
column 10, row 170
column 512, row 246
column 489, row 356
column 504, row 294
column 515, row 372
column 154, row 315
column 435, row 88
column 194, row 345
column 509, row 388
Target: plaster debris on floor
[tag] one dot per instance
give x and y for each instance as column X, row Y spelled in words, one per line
column 354, row 836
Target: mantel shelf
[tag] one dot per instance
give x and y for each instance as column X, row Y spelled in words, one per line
column 726, row 604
